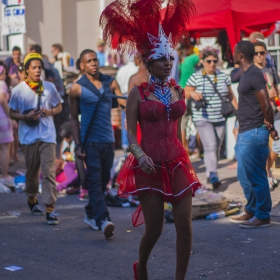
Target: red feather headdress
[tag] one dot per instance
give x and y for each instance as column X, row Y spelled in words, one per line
column 140, row 25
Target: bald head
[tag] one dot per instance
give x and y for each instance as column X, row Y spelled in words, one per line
column 256, row 36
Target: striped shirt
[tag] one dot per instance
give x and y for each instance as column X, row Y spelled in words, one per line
column 212, row 111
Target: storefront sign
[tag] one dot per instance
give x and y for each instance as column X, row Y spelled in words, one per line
column 14, row 20
column 12, row 2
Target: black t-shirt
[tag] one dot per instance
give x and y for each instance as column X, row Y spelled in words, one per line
column 250, row 115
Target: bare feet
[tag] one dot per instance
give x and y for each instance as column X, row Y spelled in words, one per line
column 13, row 160
column 7, row 181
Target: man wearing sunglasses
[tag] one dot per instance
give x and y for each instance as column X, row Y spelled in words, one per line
column 255, row 116
column 270, row 63
column 272, row 86
column 268, row 72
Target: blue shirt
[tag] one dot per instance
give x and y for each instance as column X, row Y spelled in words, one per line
column 102, row 129
column 24, row 98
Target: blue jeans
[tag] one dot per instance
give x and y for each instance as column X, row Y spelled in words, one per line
column 124, row 132
column 252, row 153
column 99, row 160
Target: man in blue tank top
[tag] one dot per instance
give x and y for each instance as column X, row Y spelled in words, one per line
column 99, row 148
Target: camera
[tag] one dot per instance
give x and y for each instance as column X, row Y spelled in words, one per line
column 200, row 104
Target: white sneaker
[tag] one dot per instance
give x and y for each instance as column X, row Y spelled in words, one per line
column 107, row 228
column 90, row 222
column 270, row 183
column 7, row 181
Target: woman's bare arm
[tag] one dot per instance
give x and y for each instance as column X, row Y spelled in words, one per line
column 116, row 89
column 133, row 101
column 131, row 83
column 232, row 98
column 4, row 103
column 191, row 93
column 179, row 132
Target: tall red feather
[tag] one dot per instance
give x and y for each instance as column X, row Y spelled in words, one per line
column 125, row 23
column 177, row 16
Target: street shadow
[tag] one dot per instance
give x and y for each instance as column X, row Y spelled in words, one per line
column 226, row 182
column 200, row 167
column 225, row 164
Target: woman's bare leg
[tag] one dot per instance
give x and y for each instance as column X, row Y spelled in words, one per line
column 182, row 212
column 271, row 159
column 153, row 210
column 5, row 158
column 199, row 144
column 16, row 145
column 235, row 133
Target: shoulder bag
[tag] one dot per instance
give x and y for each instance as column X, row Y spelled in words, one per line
column 227, row 109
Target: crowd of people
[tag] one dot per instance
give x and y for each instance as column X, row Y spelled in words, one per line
column 174, row 102
column 202, row 126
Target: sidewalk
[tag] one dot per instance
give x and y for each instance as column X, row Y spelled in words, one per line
column 230, row 188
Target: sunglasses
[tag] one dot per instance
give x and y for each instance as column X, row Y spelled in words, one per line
column 261, row 53
column 209, row 61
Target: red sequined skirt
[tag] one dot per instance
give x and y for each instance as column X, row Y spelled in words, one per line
column 172, row 181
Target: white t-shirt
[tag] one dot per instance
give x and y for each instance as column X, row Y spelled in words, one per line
column 24, row 98
column 212, row 112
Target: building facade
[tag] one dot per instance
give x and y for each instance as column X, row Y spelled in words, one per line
column 72, row 23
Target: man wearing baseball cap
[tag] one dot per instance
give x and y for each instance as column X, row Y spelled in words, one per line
column 34, row 103
column 101, row 54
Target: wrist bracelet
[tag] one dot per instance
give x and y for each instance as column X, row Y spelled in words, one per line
column 136, row 151
column 272, row 129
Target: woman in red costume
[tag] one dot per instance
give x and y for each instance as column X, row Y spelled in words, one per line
column 158, row 169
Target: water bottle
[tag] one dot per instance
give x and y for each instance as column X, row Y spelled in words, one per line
column 71, row 62
column 216, row 215
column 221, row 214
column 201, row 190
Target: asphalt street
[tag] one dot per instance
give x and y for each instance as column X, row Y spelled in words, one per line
column 72, row 250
